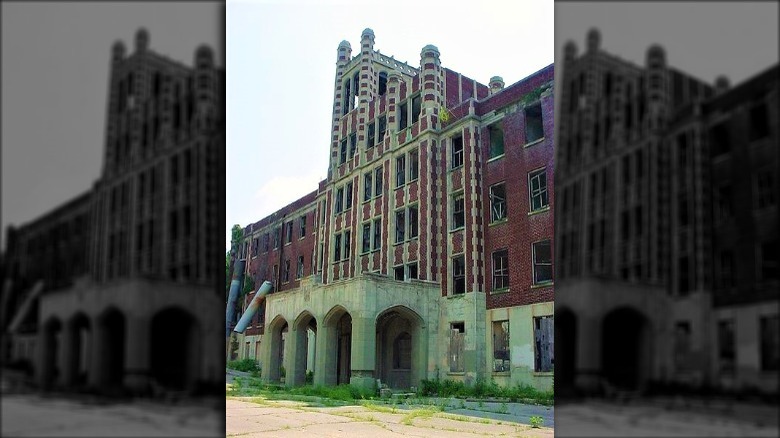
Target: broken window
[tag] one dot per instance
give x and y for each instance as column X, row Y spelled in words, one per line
column 286, row 271
column 413, row 231
column 537, row 187
column 382, row 127
column 759, row 122
column 770, row 261
column 289, row 232
column 400, row 226
column 414, row 165
column 347, row 242
column 403, row 110
column 352, row 144
column 544, row 359
column 411, row 270
column 343, row 154
column 726, row 346
column 719, row 139
column 533, row 123
column 457, row 152
column 497, row 202
column 398, row 273
column 770, row 343
column 366, row 237
column 400, row 171
column 302, row 226
column 371, row 135
column 458, row 275
column 500, row 270
column 458, row 218
column 382, row 83
column 416, row 101
column 542, row 258
column 277, row 236
column 337, row 248
column 765, row 189
column 378, row 181
column 377, row 233
column 299, row 272
column 500, row 346
column 496, row 135
column 457, row 342
column 348, row 193
column 339, row 199
column 367, row 186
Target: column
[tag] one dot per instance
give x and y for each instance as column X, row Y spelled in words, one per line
column 137, row 353
column 363, row 352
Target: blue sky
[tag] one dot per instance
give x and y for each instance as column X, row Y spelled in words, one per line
column 281, row 59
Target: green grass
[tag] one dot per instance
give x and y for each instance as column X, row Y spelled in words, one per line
column 485, row 389
column 246, row 365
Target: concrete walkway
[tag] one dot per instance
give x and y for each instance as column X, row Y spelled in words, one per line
column 257, row 417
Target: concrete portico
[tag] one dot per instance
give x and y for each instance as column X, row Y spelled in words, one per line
column 365, row 329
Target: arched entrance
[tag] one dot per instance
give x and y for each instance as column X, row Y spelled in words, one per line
column 305, row 325
column 112, row 348
column 398, row 361
column 52, row 345
column 338, row 361
column 276, row 332
column 79, row 351
column 175, row 349
column 565, row 351
column 625, row 347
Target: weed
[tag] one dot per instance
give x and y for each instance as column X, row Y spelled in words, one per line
column 536, row 421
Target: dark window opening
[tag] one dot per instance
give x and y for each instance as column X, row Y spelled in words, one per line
column 352, row 144
column 497, row 202
column 400, row 226
column 414, row 165
column 770, row 343
column 542, row 259
column 537, row 186
column 400, row 171
column 286, row 271
column 367, row 186
column 500, row 270
column 496, row 135
column 457, row 152
column 339, row 200
column 348, row 202
column 337, row 248
column 299, row 271
column 366, row 237
column 371, row 135
column 378, row 182
column 770, row 261
column 403, row 110
column 382, row 128
column 501, row 360
column 382, row 83
column 302, row 226
column 458, row 275
column 534, row 130
column 759, row 122
column 413, row 231
column 343, row 152
column 398, row 273
column 347, row 244
column 719, row 139
column 458, row 216
column 416, row 101
column 377, row 234
column 411, row 270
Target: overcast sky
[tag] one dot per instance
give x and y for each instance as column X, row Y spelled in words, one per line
column 281, row 59
column 55, row 59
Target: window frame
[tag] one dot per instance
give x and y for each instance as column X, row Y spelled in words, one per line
column 458, row 276
column 456, row 213
column 494, row 217
column 535, row 263
column 500, row 257
column 541, row 192
column 459, row 153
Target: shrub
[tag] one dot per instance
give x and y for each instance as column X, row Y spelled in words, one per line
column 246, row 365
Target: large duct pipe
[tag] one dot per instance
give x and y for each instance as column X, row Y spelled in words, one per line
column 253, row 306
column 235, row 289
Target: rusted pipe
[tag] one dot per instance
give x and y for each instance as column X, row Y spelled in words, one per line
column 251, row 309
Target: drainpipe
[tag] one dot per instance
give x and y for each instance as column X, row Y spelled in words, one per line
column 235, row 288
column 253, row 306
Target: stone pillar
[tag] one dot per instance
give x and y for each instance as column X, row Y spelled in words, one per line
column 393, row 97
column 588, row 363
column 363, row 352
column 295, row 356
column 367, row 82
column 137, row 366
column 656, row 86
column 326, row 352
column 42, row 366
column 265, row 357
column 431, row 86
column 96, row 363
column 70, row 354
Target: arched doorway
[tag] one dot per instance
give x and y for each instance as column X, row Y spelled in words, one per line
column 175, row 349
column 305, row 325
column 565, row 351
column 338, row 361
column 398, row 362
column 624, row 348
column 112, row 348
column 79, row 332
column 52, row 344
column 276, row 332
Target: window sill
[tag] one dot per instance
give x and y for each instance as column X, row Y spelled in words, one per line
column 301, row 238
column 541, row 210
column 498, row 222
column 500, row 291
column 456, row 373
column 544, row 373
column 502, row 373
column 496, row 158
column 541, row 285
column 456, row 296
column 453, row 169
column 457, row 229
column 538, row 140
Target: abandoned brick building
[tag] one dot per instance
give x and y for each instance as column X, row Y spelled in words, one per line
column 667, row 232
column 114, row 288
column 427, row 251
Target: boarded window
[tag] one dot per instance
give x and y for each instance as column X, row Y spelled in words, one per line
column 500, row 346
column 457, row 341
column 544, row 359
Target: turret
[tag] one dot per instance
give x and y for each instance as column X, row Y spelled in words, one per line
column 430, row 83
column 367, row 87
column 340, row 89
column 656, row 83
column 141, row 40
column 594, row 40
column 496, row 84
column 204, row 87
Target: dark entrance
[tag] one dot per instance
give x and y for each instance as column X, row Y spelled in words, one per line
column 566, row 351
column 624, row 347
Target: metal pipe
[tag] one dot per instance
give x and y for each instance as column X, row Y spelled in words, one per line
column 253, row 306
column 235, row 289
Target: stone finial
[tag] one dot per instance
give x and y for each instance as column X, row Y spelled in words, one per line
column 367, row 33
column 594, row 40
column 204, row 56
column 496, row 84
column 141, row 40
column 656, row 56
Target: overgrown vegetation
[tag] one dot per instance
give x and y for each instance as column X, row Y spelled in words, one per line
column 245, row 365
column 255, row 387
column 485, row 389
column 536, row 421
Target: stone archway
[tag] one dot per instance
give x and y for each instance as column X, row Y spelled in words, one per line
column 111, row 348
column 565, row 351
column 625, row 348
column 276, row 333
column 174, row 341
column 304, row 326
column 399, row 348
column 50, row 367
column 337, row 363
column 79, row 352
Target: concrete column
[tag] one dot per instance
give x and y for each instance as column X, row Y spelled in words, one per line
column 588, row 352
column 96, row 365
column 419, row 355
column 42, row 366
column 70, row 354
column 295, row 356
column 265, row 357
column 137, row 366
column 363, row 352
column 326, row 352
